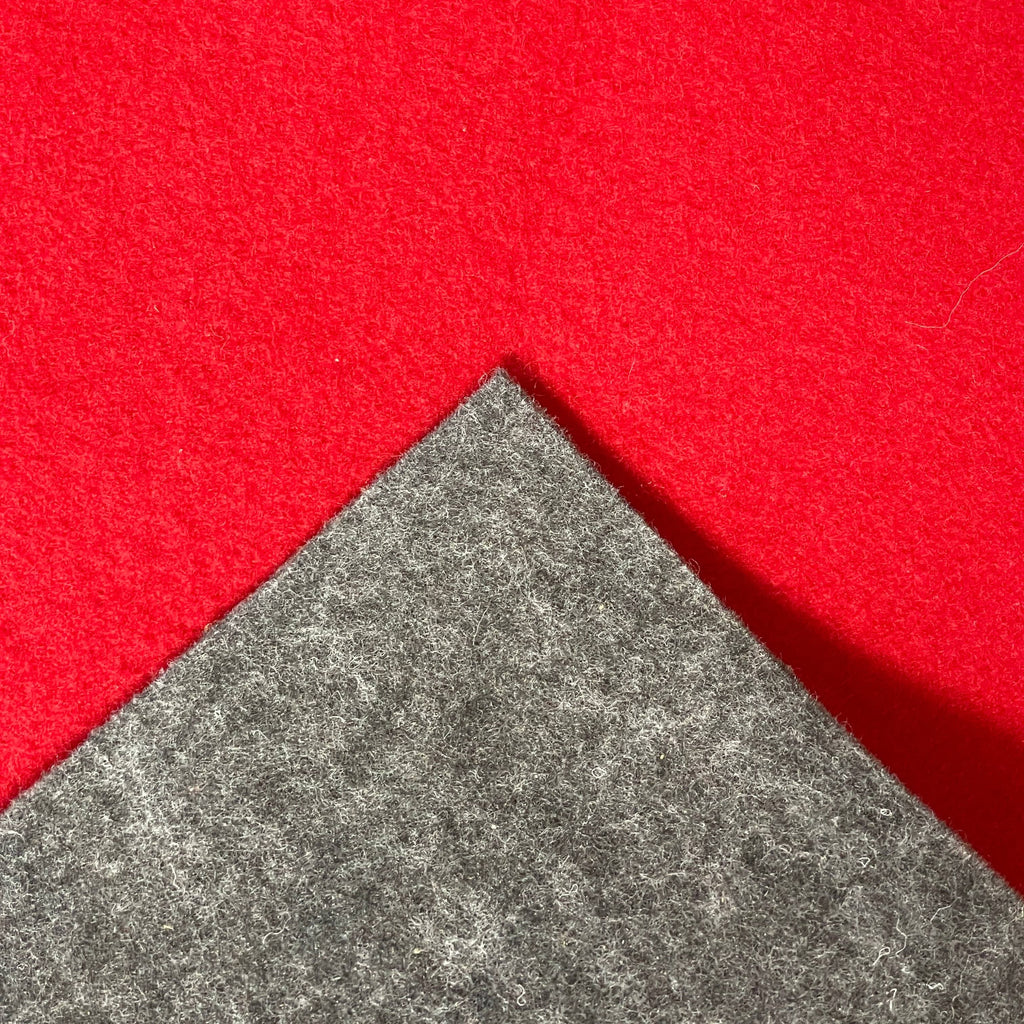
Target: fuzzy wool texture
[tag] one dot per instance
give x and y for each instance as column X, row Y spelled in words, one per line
column 486, row 749
column 251, row 253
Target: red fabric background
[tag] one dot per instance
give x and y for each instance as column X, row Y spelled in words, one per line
column 251, row 252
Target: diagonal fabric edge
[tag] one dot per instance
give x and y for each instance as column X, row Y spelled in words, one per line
column 485, row 746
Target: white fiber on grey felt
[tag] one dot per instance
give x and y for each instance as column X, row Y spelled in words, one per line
column 486, row 750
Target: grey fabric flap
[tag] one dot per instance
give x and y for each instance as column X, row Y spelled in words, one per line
column 485, row 749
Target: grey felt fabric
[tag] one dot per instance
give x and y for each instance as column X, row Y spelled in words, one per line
column 486, row 750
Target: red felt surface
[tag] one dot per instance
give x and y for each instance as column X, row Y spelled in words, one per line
column 251, row 252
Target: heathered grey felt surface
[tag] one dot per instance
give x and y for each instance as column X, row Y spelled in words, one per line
column 486, row 750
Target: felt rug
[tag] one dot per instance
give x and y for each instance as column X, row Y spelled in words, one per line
column 486, row 749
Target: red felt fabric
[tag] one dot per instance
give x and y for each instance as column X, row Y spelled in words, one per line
column 251, row 252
